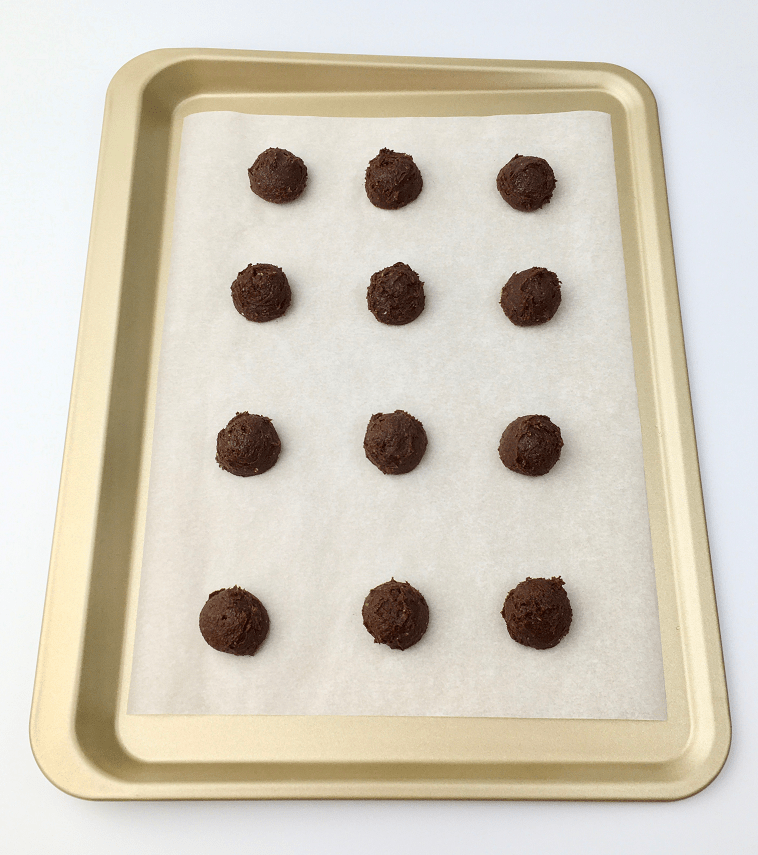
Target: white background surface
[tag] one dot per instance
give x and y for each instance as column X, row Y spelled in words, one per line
column 56, row 60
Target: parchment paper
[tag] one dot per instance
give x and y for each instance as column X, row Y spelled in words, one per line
column 315, row 533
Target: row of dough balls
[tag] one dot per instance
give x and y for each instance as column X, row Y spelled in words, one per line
column 537, row 613
column 394, row 443
column 395, row 296
column 393, row 180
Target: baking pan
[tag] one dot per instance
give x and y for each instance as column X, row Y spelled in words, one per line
column 81, row 736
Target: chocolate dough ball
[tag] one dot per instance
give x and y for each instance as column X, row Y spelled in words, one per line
column 531, row 297
column 277, row 176
column 526, row 183
column 234, row 621
column 392, row 180
column 396, row 614
column 248, row 445
column 261, row 292
column 531, row 445
column 395, row 442
column 396, row 295
column 537, row 612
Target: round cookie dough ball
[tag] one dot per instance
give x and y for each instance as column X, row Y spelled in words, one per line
column 531, row 445
column 395, row 442
column 537, row 612
column 526, row 183
column 392, row 180
column 277, row 176
column 261, row 292
column 234, row 621
column 248, row 445
column 396, row 614
column 531, row 297
column 396, row 295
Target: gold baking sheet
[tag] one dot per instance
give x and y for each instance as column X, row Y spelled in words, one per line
column 81, row 735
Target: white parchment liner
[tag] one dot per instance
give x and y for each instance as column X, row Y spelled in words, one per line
column 315, row 533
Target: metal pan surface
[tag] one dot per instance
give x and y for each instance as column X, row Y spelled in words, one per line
column 81, row 736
